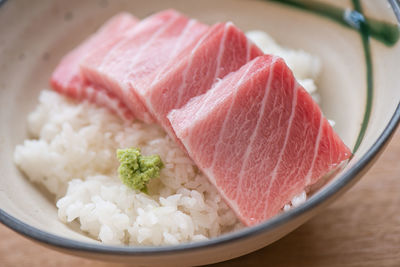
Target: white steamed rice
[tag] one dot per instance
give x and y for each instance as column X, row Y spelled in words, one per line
column 72, row 153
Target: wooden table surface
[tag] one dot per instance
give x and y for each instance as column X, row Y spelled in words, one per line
column 362, row 228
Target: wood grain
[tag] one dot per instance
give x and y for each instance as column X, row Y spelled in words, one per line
column 361, row 229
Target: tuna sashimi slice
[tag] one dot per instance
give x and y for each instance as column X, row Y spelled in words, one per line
column 223, row 49
column 133, row 62
column 67, row 79
column 259, row 137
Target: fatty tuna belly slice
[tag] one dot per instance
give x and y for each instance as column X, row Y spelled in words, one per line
column 223, row 49
column 259, row 137
column 132, row 63
column 66, row 78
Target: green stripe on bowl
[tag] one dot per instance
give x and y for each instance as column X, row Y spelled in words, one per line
column 385, row 32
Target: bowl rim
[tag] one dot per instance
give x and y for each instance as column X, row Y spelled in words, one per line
column 317, row 199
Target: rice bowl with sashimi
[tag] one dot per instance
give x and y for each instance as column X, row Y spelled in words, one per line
column 72, row 153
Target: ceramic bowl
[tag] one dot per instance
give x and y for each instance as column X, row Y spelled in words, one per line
column 359, row 88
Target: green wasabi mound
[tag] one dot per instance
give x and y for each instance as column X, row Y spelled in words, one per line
column 136, row 170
